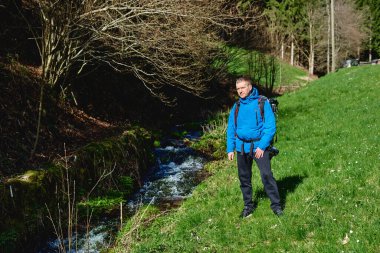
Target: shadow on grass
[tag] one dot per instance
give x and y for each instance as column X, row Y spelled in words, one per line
column 285, row 185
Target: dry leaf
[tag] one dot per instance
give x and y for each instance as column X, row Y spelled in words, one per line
column 345, row 240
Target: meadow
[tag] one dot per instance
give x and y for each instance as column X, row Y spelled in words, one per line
column 327, row 171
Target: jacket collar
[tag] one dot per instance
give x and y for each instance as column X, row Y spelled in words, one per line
column 252, row 96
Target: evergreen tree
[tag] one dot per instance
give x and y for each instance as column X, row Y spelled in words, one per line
column 373, row 23
column 285, row 23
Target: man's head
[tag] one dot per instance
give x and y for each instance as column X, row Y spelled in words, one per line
column 243, row 86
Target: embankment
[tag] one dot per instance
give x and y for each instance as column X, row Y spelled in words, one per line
column 110, row 169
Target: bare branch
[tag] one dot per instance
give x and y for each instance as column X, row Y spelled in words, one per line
column 161, row 42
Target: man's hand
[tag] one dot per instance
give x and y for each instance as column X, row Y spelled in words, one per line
column 230, row 156
column 259, row 153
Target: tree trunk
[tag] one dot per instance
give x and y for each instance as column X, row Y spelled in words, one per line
column 370, row 42
column 311, row 53
column 370, row 50
column 328, row 37
column 358, row 54
column 292, row 53
column 333, row 54
column 282, row 50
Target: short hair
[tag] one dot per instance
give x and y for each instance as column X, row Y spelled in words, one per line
column 244, row 79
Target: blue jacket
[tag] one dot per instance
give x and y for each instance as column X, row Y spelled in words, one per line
column 250, row 124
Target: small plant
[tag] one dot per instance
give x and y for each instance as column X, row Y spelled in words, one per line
column 126, row 184
column 156, row 143
column 213, row 140
column 100, row 205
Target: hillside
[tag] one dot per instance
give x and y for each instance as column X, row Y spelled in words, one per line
column 62, row 124
column 327, row 173
column 88, row 117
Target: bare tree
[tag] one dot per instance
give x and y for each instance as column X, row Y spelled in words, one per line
column 350, row 32
column 60, row 42
column 161, row 42
column 312, row 32
column 347, row 33
column 61, row 39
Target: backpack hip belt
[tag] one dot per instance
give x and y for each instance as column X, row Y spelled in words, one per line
column 247, row 141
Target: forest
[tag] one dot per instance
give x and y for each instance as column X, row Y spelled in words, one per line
column 89, row 88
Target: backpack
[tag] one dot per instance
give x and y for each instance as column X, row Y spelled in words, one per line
column 273, row 151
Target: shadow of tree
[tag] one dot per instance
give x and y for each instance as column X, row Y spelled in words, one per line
column 285, row 186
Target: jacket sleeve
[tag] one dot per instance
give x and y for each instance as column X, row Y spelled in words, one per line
column 269, row 127
column 231, row 139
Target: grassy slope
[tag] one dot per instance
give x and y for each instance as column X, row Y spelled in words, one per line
column 286, row 75
column 327, row 172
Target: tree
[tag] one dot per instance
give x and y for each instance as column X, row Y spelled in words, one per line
column 285, row 24
column 312, row 32
column 372, row 10
column 344, row 34
column 161, row 42
column 61, row 44
column 276, row 20
column 349, row 29
column 313, row 15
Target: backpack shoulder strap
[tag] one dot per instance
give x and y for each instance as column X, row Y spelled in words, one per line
column 262, row 100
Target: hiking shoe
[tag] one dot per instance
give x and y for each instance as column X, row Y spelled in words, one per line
column 247, row 211
column 278, row 212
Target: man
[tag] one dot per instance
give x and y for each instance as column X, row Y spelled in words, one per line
column 250, row 135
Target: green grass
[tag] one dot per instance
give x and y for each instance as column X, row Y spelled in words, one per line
column 238, row 65
column 327, row 171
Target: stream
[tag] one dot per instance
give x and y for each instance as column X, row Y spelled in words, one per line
column 172, row 179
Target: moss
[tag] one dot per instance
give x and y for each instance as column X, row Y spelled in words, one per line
column 29, row 176
column 8, row 240
column 101, row 154
column 211, row 146
column 127, row 156
column 156, row 143
column 100, row 205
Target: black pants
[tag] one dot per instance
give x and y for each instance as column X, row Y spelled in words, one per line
column 244, row 163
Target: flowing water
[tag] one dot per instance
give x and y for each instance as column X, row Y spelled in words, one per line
column 173, row 178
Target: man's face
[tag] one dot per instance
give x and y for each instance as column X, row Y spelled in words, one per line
column 243, row 89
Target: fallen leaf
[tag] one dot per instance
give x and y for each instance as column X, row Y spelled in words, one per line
column 345, row 240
